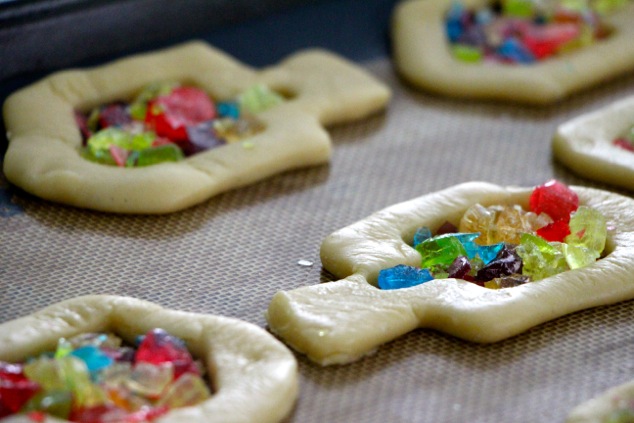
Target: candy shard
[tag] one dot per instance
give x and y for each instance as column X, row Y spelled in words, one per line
column 403, row 276
column 540, row 258
column 440, row 251
column 588, row 229
column 258, row 98
column 506, row 263
column 555, row 199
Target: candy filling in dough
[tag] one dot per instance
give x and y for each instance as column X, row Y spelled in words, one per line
column 423, row 55
column 166, row 122
column 524, row 31
column 95, row 377
column 503, row 246
column 594, row 145
column 253, row 376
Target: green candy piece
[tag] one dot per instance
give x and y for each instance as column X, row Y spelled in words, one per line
column 588, row 229
column 99, row 156
column 440, row 251
column 519, row 8
column 577, row 256
column 466, row 53
column 160, row 154
column 102, row 140
column 54, row 403
column 540, row 258
column 258, row 98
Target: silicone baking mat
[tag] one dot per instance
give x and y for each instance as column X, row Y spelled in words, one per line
column 229, row 255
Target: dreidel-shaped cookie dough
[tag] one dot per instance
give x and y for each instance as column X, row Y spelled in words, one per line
column 253, row 376
column 44, row 156
column 339, row 322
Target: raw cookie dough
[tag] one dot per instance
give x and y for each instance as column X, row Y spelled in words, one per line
column 422, row 57
column 253, row 375
column 598, row 410
column 43, row 157
column 584, row 144
column 339, row 322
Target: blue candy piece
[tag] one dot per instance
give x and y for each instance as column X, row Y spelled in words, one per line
column 489, row 252
column 403, row 276
column 228, row 109
column 466, row 239
column 94, row 358
column 453, row 21
column 421, row 235
column 513, row 50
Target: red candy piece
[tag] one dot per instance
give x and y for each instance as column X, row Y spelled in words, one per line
column 624, row 144
column 36, row 416
column 118, row 154
column 171, row 114
column 544, row 41
column 15, row 388
column 555, row 232
column 159, row 347
column 555, row 199
column 14, row 394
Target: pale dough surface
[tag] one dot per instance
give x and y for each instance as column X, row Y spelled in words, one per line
column 597, row 409
column 339, row 322
column 254, row 375
column 44, row 140
column 584, row 144
column 422, row 57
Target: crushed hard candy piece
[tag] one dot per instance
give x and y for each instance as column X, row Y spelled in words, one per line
column 506, row 263
column 188, row 390
column 158, row 347
column 422, row 234
column 541, row 259
column 459, row 268
column 160, row 154
column 114, row 114
column 258, row 98
column 555, row 199
column 201, row 137
column 403, row 276
column 440, row 251
column 171, row 114
column 555, row 232
column 588, row 229
column 507, row 281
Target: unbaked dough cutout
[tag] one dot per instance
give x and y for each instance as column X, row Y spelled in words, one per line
column 43, row 156
column 616, row 405
column 422, row 56
column 340, row 322
column 254, row 376
column 585, row 144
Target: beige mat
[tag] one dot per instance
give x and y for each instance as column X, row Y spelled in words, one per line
column 231, row 254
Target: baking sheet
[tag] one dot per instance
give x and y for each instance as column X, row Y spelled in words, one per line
column 229, row 255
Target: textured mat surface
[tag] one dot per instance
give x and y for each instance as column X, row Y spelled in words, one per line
column 231, row 254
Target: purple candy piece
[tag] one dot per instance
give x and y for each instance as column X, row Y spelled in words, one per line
column 201, row 137
column 506, row 263
column 459, row 268
column 114, row 115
